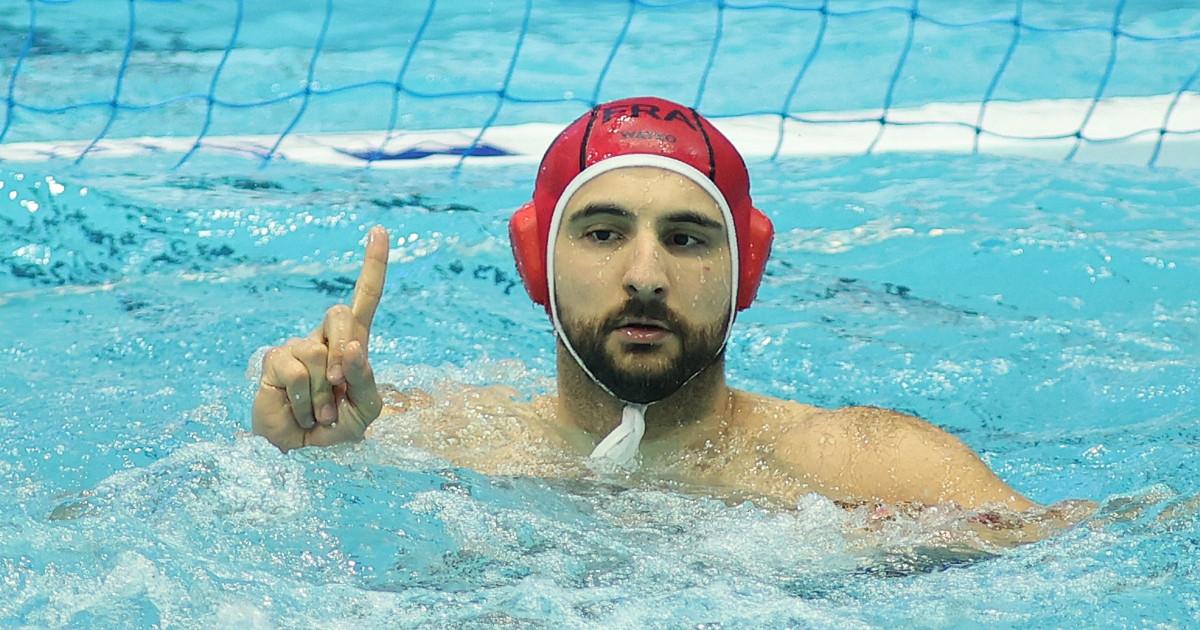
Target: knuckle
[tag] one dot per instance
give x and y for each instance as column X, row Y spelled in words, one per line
column 271, row 356
column 339, row 311
column 310, row 351
column 294, row 375
column 279, row 354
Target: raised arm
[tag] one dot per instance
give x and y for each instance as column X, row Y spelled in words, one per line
column 320, row 390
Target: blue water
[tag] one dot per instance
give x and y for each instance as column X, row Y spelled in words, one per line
column 1045, row 313
column 571, row 52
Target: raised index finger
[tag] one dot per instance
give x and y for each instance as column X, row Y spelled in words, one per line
column 369, row 287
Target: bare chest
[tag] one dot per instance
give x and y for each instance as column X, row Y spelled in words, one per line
column 489, row 430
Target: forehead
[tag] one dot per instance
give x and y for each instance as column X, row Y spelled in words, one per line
column 644, row 190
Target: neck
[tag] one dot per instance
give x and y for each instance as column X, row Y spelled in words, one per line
column 704, row 401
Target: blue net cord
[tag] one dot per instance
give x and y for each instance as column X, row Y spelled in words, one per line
column 712, row 54
column 1018, row 25
column 612, row 54
column 212, row 85
column 1162, row 131
column 114, row 104
column 822, row 26
column 991, row 88
column 1113, row 43
column 913, row 15
column 308, row 82
column 398, row 88
column 503, row 92
column 9, row 102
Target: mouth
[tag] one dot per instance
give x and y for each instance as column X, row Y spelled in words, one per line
column 642, row 331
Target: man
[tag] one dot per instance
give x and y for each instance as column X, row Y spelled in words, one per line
column 642, row 243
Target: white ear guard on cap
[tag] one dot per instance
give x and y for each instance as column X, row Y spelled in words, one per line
column 620, row 446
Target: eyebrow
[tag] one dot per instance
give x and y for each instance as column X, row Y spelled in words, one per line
column 598, row 209
column 613, row 210
column 691, row 216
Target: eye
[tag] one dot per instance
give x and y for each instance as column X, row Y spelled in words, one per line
column 601, row 236
column 682, row 239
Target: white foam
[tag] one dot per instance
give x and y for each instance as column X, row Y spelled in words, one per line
column 934, row 127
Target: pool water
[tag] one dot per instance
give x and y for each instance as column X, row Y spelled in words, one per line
column 439, row 65
column 1045, row 313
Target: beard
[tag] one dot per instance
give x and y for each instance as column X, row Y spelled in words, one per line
column 654, row 376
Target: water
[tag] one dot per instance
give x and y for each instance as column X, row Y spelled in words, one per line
column 1046, row 314
column 177, row 59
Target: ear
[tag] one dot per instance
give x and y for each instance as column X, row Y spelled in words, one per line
column 755, row 249
column 527, row 251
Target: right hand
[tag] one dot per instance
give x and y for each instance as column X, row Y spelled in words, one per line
column 320, row 390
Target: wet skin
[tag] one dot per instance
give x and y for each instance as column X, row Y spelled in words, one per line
column 648, row 237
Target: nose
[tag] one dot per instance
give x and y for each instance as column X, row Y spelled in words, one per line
column 645, row 278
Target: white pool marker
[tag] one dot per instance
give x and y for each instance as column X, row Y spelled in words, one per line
column 1122, row 130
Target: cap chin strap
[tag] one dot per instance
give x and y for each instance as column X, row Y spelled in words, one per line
column 620, row 446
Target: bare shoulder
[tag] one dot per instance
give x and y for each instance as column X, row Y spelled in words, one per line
column 756, row 412
column 862, row 428
column 862, row 454
column 809, row 425
column 876, row 423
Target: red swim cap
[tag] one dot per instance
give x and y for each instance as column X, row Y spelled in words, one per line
column 640, row 126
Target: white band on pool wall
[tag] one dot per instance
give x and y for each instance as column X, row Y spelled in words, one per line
column 621, row 445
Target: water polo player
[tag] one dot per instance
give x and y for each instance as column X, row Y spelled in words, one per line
column 642, row 243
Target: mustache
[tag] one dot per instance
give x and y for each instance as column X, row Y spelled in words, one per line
column 643, row 309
